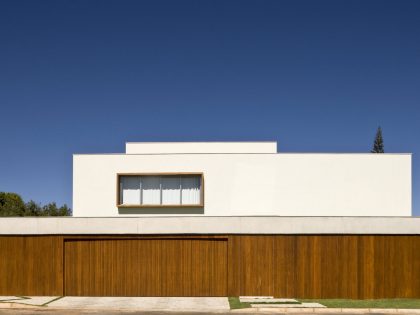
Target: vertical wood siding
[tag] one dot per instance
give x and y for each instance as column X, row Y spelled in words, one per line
column 300, row 266
column 359, row 267
column 146, row 267
column 31, row 265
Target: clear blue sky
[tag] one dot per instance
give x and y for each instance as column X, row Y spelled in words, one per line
column 86, row 76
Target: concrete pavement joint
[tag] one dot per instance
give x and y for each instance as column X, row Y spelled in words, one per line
column 53, row 300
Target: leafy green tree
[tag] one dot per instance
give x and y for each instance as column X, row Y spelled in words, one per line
column 378, row 144
column 11, row 205
column 51, row 209
column 32, row 209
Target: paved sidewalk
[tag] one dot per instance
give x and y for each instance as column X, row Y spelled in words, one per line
column 202, row 304
column 144, row 303
column 33, row 300
column 55, row 311
column 159, row 305
column 277, row 303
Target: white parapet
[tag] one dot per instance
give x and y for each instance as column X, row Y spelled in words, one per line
column 200, row 147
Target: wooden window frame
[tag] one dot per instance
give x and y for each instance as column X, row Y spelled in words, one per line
column 200, row 205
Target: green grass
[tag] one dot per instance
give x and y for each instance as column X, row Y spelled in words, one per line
column 382, row 303
column 235, row 303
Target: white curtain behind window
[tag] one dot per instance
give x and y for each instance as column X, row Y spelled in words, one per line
column 191, row 190
column 130, row 190
column 151, row 190
column 171, row 190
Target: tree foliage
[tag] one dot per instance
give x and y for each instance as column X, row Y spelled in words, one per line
column 12, row 205
column 378, row 144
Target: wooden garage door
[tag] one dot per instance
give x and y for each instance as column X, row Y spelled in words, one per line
column 146, row 267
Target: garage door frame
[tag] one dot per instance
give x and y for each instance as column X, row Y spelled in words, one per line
column 168, row 273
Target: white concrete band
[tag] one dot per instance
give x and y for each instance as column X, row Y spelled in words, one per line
column 210, row 225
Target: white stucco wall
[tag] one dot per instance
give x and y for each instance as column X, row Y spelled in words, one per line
column 200, row 147
column 257, row 184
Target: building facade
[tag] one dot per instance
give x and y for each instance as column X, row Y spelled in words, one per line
column 239, row 179
column 222, row 219
column 296, row 257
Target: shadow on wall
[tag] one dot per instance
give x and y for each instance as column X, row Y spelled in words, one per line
column 198, row 210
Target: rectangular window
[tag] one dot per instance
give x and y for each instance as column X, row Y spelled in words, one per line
column 181, row 190
column 131, row 190
column 171, row 190
column 150, row 190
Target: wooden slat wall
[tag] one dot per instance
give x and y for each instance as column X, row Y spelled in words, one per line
column 256, row 265
column 315, row 266
column 146, row 267
column 209, row 270
column 31, row 265
column 359, row 267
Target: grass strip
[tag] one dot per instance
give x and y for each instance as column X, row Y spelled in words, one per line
column 235, row 303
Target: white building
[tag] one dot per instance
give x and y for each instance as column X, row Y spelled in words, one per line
column 239, row 179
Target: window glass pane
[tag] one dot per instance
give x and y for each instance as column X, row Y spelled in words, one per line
column 171, row 192
column 191, row 190
column 130, row 190
column 151, row 190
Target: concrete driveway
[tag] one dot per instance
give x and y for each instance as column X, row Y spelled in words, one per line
column 202, row 304
column 144, row 303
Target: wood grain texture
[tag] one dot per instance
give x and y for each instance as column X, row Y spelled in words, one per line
column 209, row 268
column 359, row 267
column 257, row 265
column 295, row 266
column 146, row 267
column 325, row 266
column 234, row 265
column 31, row 265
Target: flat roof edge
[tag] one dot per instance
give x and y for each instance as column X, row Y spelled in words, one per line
column 277, row 153
column 177, row 142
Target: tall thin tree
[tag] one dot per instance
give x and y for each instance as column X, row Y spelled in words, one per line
column 378, row 144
